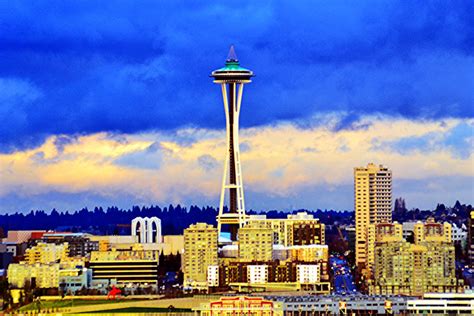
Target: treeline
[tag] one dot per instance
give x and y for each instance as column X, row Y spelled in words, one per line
column 175, row 218
column 115, row 221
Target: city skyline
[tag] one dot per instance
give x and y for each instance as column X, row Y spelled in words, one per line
column 115, row 113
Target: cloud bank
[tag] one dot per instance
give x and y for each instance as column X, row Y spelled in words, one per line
column 285, row 165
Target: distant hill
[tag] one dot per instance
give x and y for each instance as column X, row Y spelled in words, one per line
column 115, row 221
column 175, row 218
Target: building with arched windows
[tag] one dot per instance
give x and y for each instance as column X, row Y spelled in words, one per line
column 148, row 229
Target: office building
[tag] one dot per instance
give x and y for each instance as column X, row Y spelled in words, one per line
column 377, row 234
column 200, row 252
column 269, row 276
column 470, row 239
column 431, row 231
column 74, row 279
column 308, row 253
column 255, row 244
column 308, row 273
column 79, row 244
column 372, row 204
column 126, row 267
column 297, row 229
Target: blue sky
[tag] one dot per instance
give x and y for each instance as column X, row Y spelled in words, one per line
column 69, row 69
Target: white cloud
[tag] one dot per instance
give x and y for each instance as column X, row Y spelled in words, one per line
column 276, row 161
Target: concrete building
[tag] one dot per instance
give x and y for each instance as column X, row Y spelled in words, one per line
column 40, row 275
column 459, row 234
column 255, row 244
column 79, row 244
column 213, row 276
column 270, row 276
column 200, row 252
column 46, row 253
column 148, row 230
column 172, row 244
column 442, row 304
column 312, row 305
column 240, row 305
column 21, row 236
column 74, row 279
column 308, row 253
column 431, row 231
column 117, row 242
column 372, row 204
column 135, row 267
column 257, row 273
column 378, row 234
column 308, row 273
column 427, row 265
column 297, row 229
column 470, row 239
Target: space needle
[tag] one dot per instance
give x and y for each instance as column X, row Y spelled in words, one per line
column 232, row 78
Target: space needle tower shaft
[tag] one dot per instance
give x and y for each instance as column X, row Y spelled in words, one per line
column 232, row 78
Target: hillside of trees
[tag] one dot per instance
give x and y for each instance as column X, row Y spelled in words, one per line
column 115, row 221
column 175, row 218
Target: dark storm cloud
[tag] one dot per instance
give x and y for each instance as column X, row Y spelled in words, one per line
column 70, row 67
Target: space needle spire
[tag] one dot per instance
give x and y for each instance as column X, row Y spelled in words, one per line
column 232, row 78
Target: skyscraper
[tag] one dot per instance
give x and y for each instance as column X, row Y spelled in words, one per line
column 400, row 267
column 372, row 204
column 232, row 78
column 255, row 244
column 470, row 239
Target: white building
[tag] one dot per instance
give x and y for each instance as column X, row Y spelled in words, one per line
column 459, row 234
column 213, row 275
column 308, row 273
column 148, row 229
column 257, row 274
column 443, row 304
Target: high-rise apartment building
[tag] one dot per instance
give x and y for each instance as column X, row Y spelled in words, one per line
column 46, row 253
column 255, row 244
column 200, row 252
column 432, row 231
column 470, row 239
column 377, row 234
column 372, row 203
column 401, row 267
